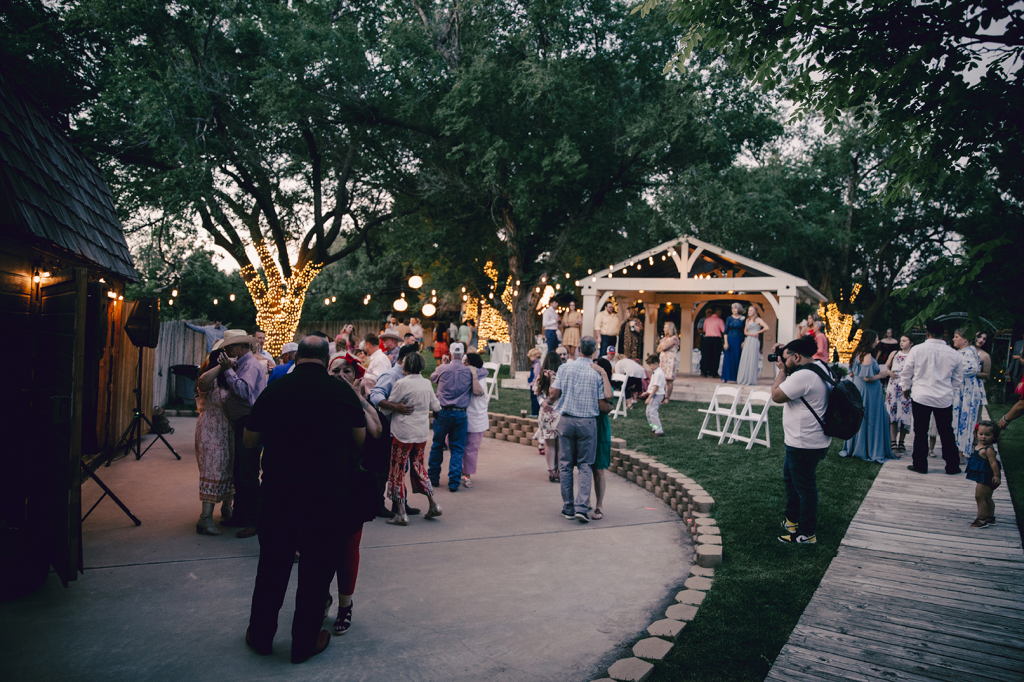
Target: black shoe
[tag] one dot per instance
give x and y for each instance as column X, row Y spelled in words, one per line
column 261, row 649
column 435, row 484
column 582, row 517
column 916, row 470
column 383, row 513
column 453, row 490
column 956, row 471
column 322, row 641
column 568, row 515
column 412, row 511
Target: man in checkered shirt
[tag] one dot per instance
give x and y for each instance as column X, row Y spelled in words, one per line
column 575, row 392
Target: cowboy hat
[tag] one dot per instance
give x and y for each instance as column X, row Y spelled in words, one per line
column 391, row 334
column 235, row 336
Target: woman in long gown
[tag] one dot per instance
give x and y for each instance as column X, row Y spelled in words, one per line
column 747, row 374
column 571, row 323
column 733, row 341
column 901, row 418
column 215, row 445
column 633, row 336
column 967, row 400
column 871, row 443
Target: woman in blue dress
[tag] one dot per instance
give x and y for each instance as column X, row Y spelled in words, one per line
column 872, row 441
column 747, row 375
column 733, row 341
column 969, row 398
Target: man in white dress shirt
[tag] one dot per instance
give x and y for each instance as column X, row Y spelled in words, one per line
column 550, row 321
column 931, row 375
column 380, row 363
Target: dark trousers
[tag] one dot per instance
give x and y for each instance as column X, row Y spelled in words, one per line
column 800, row 474
column 551, row 338
column 287, row 527
column 944, row 423
column 710, row 354
column 247, row 478
column 606, row 341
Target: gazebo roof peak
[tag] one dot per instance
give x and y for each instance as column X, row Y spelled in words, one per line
column 686, row 252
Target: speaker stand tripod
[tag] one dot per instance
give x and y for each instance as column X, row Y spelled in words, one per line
column 132, row 437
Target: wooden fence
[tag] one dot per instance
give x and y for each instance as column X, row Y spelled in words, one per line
column 118, row 366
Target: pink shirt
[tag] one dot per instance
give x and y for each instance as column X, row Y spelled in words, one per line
column 822, row 342
column 714, row 326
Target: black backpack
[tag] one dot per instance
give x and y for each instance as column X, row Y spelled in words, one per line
column 845, row 410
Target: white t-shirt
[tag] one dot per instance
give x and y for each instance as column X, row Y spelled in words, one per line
column 801, row 428
column 550, row 318
column 476, row 414
column 631, row 368
column 379, row 363
column 417, row 331
column 657, row 384
column 417, row 391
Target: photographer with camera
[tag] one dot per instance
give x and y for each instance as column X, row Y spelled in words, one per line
column 803, row 396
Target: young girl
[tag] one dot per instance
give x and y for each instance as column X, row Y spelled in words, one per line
column 984, row 468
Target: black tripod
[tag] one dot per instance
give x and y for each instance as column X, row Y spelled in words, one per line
column 132, row 437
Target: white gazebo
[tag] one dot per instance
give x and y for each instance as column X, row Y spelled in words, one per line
column 690, row 273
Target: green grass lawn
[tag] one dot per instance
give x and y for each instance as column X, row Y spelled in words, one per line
column 762, row 586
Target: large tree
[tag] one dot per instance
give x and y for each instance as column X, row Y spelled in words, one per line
column 259, row 123
column 550, row 125
column 935, row 82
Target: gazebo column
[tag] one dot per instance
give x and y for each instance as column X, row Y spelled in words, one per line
column 590, row 312
column 685, row 337
column 650, row 329
column 787, row 317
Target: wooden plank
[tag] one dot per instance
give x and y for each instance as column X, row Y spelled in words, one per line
column 897, row 548
column 847, row 668
column 909, row 658
column 951, row 583
column 936, row 564
column 952, row 607
column 940, row 544
column 929, row 592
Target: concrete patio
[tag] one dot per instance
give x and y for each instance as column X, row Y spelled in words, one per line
column 499, row 588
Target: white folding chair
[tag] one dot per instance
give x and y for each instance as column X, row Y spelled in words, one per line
column 619, row 396
column 491, row 382
column 723, row 404
column 755, row 419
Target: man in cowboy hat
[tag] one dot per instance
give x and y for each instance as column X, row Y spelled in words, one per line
column 246, row 380
column 391, row 340
column 287, row 360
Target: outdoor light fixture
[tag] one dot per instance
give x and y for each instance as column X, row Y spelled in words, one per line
column 429, row 310
column 174, row 292
column 400, row 304
column 35, row 278
column 231, row 297
column 327, row 301
column 111, row 294
column 215, row 301
column 47, row 274
column 333, row 299
column 415, row 281
column 170, row 301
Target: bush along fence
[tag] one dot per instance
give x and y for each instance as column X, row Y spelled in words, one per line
column 689, row 500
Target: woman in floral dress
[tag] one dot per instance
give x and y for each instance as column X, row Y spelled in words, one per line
column 548, row 418
column 967, row 400
column 215, row 445
column 901, row 420
column 668, row 351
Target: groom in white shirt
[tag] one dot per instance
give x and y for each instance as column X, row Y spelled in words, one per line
column 930, row 377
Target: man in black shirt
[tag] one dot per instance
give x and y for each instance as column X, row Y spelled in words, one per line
column 312, row 430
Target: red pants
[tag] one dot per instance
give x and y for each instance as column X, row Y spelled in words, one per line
column 414, row 454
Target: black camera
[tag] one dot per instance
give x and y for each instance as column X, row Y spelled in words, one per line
column 773, row 357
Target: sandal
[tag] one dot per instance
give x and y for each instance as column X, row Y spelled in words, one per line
column 980, row 523
column 467, row 482
column 597, row 515
column 399, row 520
column 434, row 511
column 344, row 620
column 552, row 475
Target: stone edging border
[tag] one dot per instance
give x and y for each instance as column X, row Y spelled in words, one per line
column 688, row 499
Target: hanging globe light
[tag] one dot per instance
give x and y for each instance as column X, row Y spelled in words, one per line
column 400, row 304
column 415, row 281
column 429, row 310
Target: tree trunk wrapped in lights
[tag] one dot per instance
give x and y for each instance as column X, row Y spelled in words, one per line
column 278, row 300
column 838, row 326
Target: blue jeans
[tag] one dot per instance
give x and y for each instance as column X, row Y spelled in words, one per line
column 451, row 424
column 799, row 473
column 551, row 337
column 607, row 340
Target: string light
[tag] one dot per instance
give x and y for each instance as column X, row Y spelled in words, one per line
column 170, row 301
column 429, row 310
column 333, row 299
column 278, row 301
column 590, row 271
column 215, row 301
column 174, row 292
column 111, row 294
column 231, row 297
column 400, row 304
column 47, row 274
column 35, row 278
column 415, row 281
column 567, row 275
column 327, row 301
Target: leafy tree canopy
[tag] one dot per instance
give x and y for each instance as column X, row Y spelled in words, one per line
column 936, row 82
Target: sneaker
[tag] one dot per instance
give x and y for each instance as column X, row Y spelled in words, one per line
column 568, row 515
column 582, row 517
column 981, row 522
column 799, row 539
column 789, row 526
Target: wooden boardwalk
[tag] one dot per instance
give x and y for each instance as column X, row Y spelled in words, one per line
column 915, row 593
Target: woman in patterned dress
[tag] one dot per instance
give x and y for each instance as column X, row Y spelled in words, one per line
column 571, row 323
column 901, row 419
column 870, row 442
column 215, row 445
column 967, row 400
column 668, row 349
column 633, row 336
